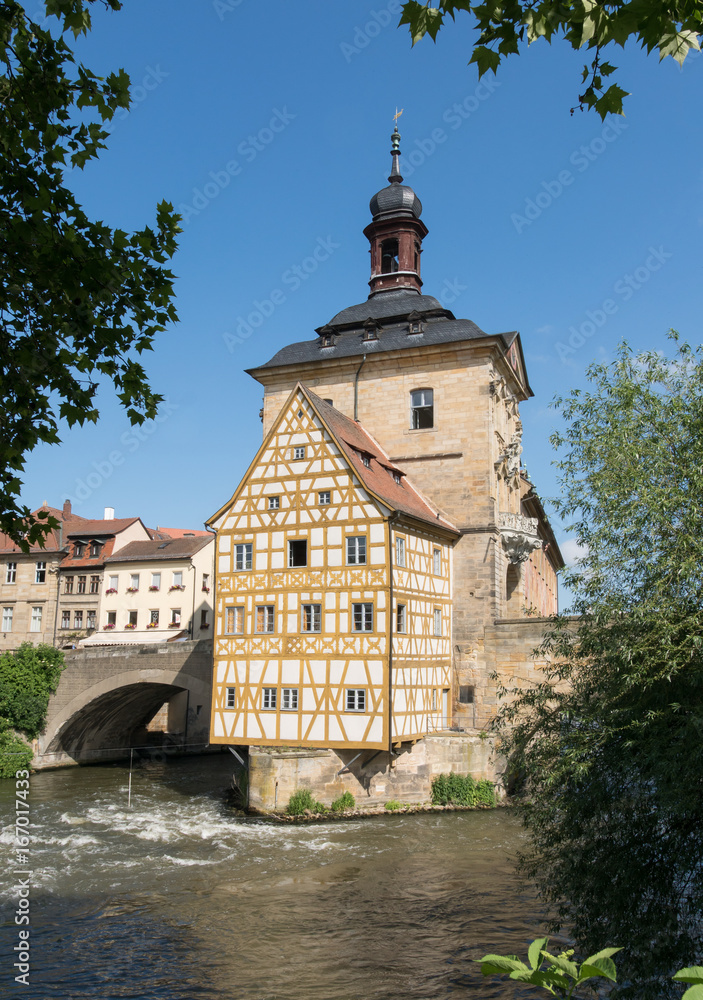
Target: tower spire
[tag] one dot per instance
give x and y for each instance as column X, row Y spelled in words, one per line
column 395, row 175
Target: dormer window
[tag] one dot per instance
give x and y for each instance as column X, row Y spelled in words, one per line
column 95, row 549
column 366, row 459
column 415, row 324
column 397, row 477
column 78, row 550
column 370, row 335
column 326, row 340
column 370, row 330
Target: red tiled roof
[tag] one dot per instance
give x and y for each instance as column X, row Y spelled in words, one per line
column 378, row 475
column 85, row 561
column 100, row 527
column 181, row 532
column 55, row 540
column 175, row 548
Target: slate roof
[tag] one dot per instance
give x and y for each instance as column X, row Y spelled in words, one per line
column 175, row 548
column 378, row 476
column 390, row 309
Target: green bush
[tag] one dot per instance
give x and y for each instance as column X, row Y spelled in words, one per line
column 345, row 801
column 302, row 800
column 462, row 790
column 15, row 753
column 393, row 805
column 28, row 678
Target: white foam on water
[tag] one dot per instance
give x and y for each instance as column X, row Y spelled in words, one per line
column 188, row 862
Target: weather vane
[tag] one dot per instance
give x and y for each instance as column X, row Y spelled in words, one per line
column 397, row 115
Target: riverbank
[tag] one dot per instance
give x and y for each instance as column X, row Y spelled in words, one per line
column 372, row 812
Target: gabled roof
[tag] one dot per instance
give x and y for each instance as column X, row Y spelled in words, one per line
column 100, row 527
column 354, row 442
column 158, row 549
column 55, row 540
column 179, row 532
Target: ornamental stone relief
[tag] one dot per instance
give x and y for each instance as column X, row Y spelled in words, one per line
column 519, row 536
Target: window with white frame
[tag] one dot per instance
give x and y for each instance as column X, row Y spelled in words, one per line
column 401, row 623
column 434, row 699
column 95, row 548
column 421, row 409
column 206, row 582
column 78, row 550
column 11, row 573
column 324, row 497
column 133, row 618
column 65, row 619
column 356, row 700
column 362, row 617
column 437, row 621
column 114, row 580
column 298, row 552
column 231, row 701
column 234, row 621
column 155, row 581
column 311, row 618
column 35, row 624
column 265, row 618
column 289, row 699
column 274, row 503
column 7, row 614
column 400, row 552
column 78, row 619
column 175, row 616
column 112, row 618
column 437, row 562
column 90, row 617
column 268, row 698
column 356, row 550
column 154, row 617
column 134, row 581
column 243, row 556
column 177, row 580
column 40, row 574
column 299, row 452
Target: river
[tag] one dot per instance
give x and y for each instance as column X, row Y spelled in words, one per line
column 178, row 898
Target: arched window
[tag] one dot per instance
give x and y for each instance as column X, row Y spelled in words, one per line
column 421, row 409
column 389, row 256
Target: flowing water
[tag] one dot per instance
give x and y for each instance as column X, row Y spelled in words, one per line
column 178, row 898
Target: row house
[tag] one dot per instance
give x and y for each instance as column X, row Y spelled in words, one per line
column 333, row 608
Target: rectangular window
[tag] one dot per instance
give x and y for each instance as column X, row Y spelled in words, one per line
column 7, row 619
column 400, row 552
column 289, row 699
column 154, row 617
column 231, row 697
column 298, row 552
column 311, row 618
column 35, row 625
column 177, row 579
column 362, row 617
column 274, row 503
column 95, row 549
column 90, row 619
column 356, row 550
column 243, row 556
column 324, row 497
column 81, row 584
column 175, row 616
column 65, row 619
column 437, row 621
column 114, row 580
column 268, row 698
column 299, row 452
column 68, row 588
column 356, row 699
column 134, row 581
column 78, row 619
column 234, row 621
column 434, row 699
column 466, row 694
column 155, row 581
column 112, row 618
column 203, row 619
column 132, row 617
column 422, row 409
column 11, row 574
column 437, row 562
column 206, row 582
column 401, row 619
column 95, row 584
column 40, row 575
column 265, row 618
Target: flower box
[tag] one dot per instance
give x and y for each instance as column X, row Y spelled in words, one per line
column 108, row 626
column 176, row 586
column 153, row 625
column 111, row 590
column 206, row 590
column 174, row 624
column 132, row 590
column 205, row 625
column 153, row 590
column 130, row 625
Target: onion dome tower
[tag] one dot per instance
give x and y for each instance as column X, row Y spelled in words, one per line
column 396, row 232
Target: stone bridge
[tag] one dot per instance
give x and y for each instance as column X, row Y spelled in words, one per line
column 152, row 698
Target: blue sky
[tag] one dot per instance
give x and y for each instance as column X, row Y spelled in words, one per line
column 269, row 124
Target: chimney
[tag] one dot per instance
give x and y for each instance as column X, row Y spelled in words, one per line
column 66, row 509
column 109, row 514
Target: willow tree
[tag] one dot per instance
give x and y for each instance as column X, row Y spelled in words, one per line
column 609, row 747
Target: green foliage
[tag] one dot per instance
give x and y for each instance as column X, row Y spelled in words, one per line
column 27, row 678
column 558, row 974
column 302, row 801
column 609, row 744
column 393, row 805
column 345, row 801
column 458, row 789
column 672, row 28
column 15, row 753
column 692, row 975
column 77, row 297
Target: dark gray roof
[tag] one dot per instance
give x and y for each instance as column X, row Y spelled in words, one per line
column 394, row 200
column 389, row 305
column 167, row 548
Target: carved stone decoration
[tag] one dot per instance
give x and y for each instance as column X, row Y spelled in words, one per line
column 519, row 536
column 508, row 463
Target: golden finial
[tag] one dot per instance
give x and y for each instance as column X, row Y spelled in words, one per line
column 397, row 115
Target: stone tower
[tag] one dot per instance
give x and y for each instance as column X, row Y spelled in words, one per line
column 442, row 397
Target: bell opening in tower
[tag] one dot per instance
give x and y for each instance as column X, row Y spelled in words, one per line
column 389, row 256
